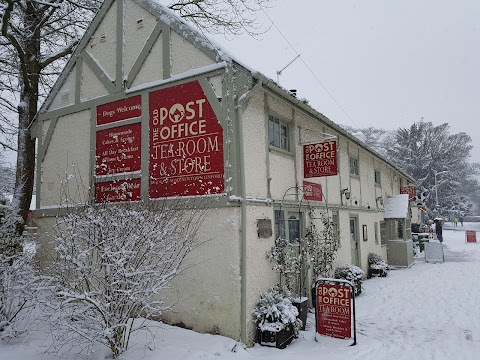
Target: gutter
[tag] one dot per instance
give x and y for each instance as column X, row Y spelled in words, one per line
column 242, row 102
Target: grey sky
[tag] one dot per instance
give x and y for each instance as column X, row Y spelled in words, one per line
column 387, row 63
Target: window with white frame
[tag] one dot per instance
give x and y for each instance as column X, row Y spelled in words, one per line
column 335, row 226
column 353, row 166
column 278, row 133
column 383, row 234
column 378, row 178
column 287, row 225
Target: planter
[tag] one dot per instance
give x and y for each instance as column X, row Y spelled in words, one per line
column 302, row 306
column 279, row 339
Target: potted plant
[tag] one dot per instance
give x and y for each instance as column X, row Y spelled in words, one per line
column 353, row 274
column 276, row 318
column 376, row 266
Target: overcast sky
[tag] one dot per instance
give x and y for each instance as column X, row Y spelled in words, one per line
column 386, row 63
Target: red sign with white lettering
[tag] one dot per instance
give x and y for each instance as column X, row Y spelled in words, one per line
column 334, row 311
column 320, row 159
column 119, row 110
column 116, row 191
column 410, row 190
column 471, row 236
column 312, row 191
column 118, row 150
column 186, row 143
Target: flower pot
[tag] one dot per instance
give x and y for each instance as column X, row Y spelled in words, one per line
column 302, row 306
column 279, row 339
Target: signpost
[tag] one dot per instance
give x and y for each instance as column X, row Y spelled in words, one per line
column 320, row 159
column 471, row 236
column 335, row 309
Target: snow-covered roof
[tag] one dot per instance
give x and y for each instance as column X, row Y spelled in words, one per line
column 396, row 207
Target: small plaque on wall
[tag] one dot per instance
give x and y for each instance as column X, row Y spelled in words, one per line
column 264, row 228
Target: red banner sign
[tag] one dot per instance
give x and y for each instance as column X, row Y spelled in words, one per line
column 186, row 143
column 320, row 159
column 410, row 190
column 471, row 236
column 312, row 191
column 334, row 311
column 118, row 150
column 116, row 191
column 119, row 110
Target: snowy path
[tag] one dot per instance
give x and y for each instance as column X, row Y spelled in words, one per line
column 427, row 312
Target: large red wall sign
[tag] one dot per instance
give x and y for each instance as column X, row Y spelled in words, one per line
column 186, row 143
column 118, row 150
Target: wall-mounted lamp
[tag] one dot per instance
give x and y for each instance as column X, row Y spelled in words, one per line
column 346, row 193
column 379, row 200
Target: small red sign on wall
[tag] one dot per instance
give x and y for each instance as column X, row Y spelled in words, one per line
column 334, row 311
column 471, row 236
column 320, row 159
column 118, row 150
column 119, row 110
column 117, row 191
column 186, row 143
column 312, row 191
column 410, row 190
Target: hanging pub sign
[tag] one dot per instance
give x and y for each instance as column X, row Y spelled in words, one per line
column 312, row 191
column 471, row 236
column 320, row 159
column 186, row 143
column 411, row 191
column 335, row 309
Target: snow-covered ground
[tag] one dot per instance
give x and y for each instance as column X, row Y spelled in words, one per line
column 430, row 311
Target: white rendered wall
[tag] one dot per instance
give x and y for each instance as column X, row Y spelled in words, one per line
column 185, row 56
column 206, row 297
column 65, row 168
column 66, row 94
column 90, row 86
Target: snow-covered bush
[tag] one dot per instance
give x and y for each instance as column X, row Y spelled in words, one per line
column 288, row 258
column 114, row 264
column 274, row 311
column 377, row 266
column 16, row 275
column 353, row 274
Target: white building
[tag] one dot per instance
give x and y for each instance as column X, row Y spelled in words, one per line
column 148, row 104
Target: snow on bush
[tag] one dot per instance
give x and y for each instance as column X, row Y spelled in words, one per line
column 376, row 265
column 274, row 311
column 353, row 274
column 114, row 262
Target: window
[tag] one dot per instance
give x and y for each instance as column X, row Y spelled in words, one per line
column 377, row 177
column 383, row 235
column 354, row 166
column 278, row 133
column 287, row 225
column 375, row 230
column 335, row 225
column 279, row 224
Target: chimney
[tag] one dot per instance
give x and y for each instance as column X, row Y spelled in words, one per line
column 293, row 92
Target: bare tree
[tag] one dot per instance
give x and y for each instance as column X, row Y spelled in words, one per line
column 36, row 38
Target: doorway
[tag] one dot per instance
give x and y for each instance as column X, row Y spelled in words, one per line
column 354, row 241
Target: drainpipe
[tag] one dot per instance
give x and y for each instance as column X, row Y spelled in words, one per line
column 241, row 104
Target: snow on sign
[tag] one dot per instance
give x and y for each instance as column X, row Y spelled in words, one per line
column 320, row 159
column 334, row 309
column 470, row 236
column 186, row 143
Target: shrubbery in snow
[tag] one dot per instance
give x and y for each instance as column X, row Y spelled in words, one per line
column 376, row 265
column 353, row 274
column 113, row 264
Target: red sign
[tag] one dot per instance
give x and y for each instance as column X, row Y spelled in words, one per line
column 119, row 110
column 186, row 143
column 320, row 159
column 116, row 191
column 312, row 191
column 410, row 190
column 118, row 150
column 334, row 311
column 471, row 236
